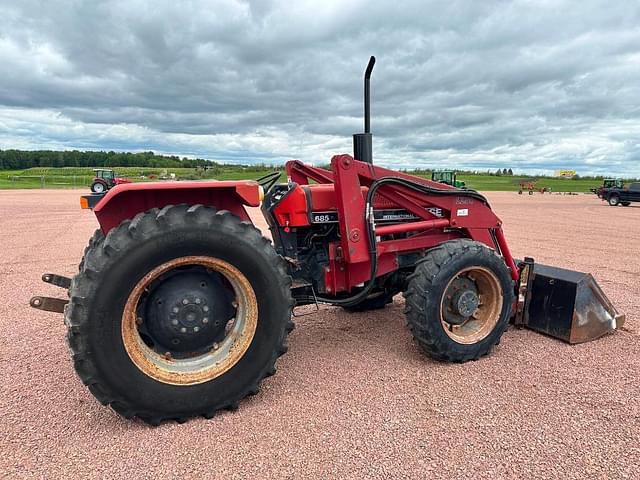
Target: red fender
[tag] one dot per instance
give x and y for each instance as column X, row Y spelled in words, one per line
column 125, row 201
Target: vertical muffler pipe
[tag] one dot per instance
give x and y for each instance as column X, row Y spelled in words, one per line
column 362, row 142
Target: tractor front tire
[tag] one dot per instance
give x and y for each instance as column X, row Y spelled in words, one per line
column 625, row 204
column 614, row 200
column 458, row 301
column 180, row 312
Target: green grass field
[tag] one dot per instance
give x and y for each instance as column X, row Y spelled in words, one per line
column 79, row 177
column 506, row 183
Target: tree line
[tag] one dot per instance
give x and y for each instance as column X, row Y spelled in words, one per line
column 22, row 159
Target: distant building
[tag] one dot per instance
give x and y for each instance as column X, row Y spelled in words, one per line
column 566, row 173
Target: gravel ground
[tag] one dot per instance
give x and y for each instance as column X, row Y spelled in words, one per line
column 354, row 397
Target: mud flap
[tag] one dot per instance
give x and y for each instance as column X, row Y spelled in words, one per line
column 564, row 304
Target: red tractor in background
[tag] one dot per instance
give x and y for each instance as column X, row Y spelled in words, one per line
column 106, row 179
column 181, row 307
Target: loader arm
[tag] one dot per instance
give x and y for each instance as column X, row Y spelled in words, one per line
column 464, row 210
column 125, row 201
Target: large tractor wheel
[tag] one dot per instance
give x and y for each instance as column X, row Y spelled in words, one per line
column 459, row 299
column 98, row 187
column 614, row 200
column 178, row 313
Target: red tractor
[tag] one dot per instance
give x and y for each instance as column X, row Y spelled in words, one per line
column 106, row 179
column 181, row 307
column 531, row 187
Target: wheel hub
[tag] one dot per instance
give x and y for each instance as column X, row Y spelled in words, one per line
column 188, row 312
column 461, row 301
column 472, row 305
column 466, row 302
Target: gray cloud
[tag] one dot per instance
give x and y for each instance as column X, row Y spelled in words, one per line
column 528, row 85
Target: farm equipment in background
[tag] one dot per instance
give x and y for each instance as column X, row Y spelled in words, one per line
column 448, row 177
column 608, row 183
column 106, row 179
column 619, row 194
column 530, row 186
column 181, row 307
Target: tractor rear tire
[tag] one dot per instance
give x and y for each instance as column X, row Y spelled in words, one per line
column 98, row 187
column 119, row 285
column 614, row 200
column 458, row 301
column 95, row 240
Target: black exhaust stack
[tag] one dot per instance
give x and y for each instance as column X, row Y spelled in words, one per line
column 362, row 144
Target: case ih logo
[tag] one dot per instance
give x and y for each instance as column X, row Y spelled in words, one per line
column 436, row 211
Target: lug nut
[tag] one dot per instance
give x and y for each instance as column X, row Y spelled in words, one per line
column 234, row 304
column 174, row 322
column 205, row 308
column 198, row 300
column 195, row 329
column 216, row 346
column 183, row 330
column 176, row 309
column 139, row 320
column 185, row 301
column 205, row 320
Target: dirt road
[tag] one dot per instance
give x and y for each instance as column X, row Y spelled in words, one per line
column 354, row 397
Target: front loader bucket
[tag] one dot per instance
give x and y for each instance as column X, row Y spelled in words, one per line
column 564, row 304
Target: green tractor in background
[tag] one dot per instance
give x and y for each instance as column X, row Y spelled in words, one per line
column 448, row 177
column 608, row 183
column 612, row 183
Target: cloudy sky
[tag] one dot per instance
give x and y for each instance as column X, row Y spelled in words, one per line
column 529, row 85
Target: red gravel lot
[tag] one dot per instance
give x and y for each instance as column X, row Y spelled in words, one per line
column 354, row 397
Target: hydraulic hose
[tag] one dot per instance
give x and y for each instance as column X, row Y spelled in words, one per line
column 371, row 235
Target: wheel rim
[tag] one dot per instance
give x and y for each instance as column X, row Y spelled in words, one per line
column 471, row 305
column 98, row 188
column 210, row 361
